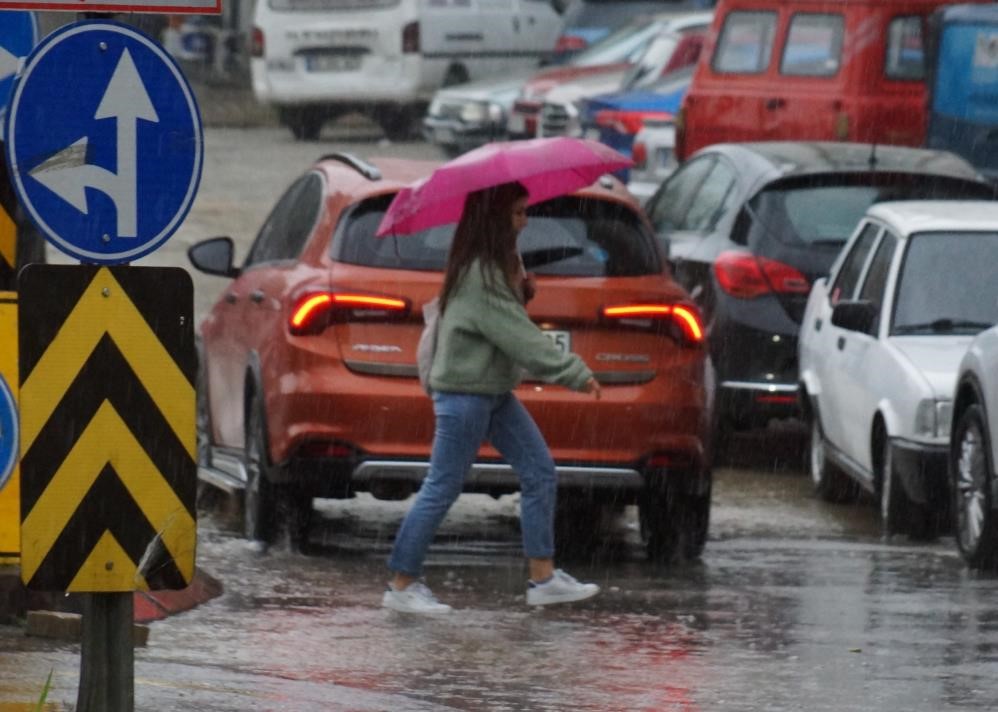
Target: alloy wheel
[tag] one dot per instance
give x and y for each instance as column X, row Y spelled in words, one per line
column 971, row 481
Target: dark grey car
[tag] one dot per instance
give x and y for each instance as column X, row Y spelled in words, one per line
column 750, row 226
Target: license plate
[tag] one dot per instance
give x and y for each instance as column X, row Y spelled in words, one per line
column 444, row 135
column 332, row 63
column 516, row 124
column 561, row 339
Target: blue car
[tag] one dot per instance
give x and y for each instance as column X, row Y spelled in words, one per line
column 614, row 119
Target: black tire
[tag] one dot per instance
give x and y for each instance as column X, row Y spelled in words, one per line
column 260, row 496
column 398, row 124
column 674, row 524
column 305, row 123
column 971, row 481
column 830, row 483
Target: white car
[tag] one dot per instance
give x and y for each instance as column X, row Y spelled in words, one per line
column 972, row 452
column 880, row 344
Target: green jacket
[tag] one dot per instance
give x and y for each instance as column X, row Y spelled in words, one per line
column 486, row 340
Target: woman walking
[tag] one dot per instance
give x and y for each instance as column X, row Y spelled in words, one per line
column 485, row 340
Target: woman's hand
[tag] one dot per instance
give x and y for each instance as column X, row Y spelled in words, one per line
column 592, row 386
column 529, row 287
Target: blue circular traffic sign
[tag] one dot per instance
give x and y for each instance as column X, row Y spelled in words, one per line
column 18, row 35
column 103, row 142
column 8, row 433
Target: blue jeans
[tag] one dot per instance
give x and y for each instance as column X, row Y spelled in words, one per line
column 463, row 422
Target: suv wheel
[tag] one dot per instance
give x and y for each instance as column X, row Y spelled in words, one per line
column 971, row 482
column 674, row 524
column 830, row 483
column 260, row 496
column 305, row 123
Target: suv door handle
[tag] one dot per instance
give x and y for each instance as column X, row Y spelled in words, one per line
column 256, row 296
column 775, row 103
column 841, row 343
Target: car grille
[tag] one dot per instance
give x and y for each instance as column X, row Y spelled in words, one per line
column 448, row 111
column 557, row 121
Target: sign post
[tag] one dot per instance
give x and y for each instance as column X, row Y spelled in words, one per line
column 103, row 145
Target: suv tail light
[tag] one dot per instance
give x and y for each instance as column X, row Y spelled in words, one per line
column 257, row 43
column 410, row 38
column 639, row 154
column 627, row 122
column 748, row 276
column 312, row 312
column 647, row 315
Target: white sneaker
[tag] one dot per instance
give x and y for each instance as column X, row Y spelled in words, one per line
column 414, row 598
column 560, row 588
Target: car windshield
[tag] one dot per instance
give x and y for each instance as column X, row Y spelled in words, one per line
column 568, row 237
column 626, row 44
column 656, row 56
column 947, row 284
column 817, row 211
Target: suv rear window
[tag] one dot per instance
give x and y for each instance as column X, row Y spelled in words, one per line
column 574, row 237
column 823, row 210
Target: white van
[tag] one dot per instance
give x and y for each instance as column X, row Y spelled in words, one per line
column 317, row 59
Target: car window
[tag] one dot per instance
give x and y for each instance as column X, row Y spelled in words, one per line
column 289, row 224
column 814, row 45
column 746, row 43
column 905, row 49
column 852, row 267
column 667, row 208
column 623, row 45
column 312, row 5
column 875, row 283
column 711, row 199
column 569, row 236
column 946, row 284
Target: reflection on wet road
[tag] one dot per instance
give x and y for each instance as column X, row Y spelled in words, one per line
column 796, row 605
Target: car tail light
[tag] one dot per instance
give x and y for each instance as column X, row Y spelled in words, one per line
column 627, row 122
column 410, row 38
column 661, row 460
column 748, row 276
column 686, row 318
column 257, row 43
column 570, row 43
column 639, row 154
column 312, row 312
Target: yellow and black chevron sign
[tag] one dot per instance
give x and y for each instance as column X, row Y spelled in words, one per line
column 108, row 442
column 8, row 243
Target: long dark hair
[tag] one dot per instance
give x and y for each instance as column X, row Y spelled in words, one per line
column 484, row 233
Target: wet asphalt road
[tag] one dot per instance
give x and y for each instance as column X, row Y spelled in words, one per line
column 796, row 605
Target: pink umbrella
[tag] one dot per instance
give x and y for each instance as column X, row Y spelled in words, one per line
column 547, row 167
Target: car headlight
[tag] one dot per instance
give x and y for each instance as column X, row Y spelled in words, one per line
column 496, row 113
column 475, row 113
column 434, row 109
column 933, row 418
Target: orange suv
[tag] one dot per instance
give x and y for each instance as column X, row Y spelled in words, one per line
column 308, row 373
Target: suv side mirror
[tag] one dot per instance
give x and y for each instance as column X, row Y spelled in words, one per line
column 857, row 315
column 213, row 256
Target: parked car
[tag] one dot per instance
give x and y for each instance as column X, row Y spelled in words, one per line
column 587, row 22
column 848, row 70
column 675, row 45
column 309, row 377
column 612, row 56
column 880, row 346
column 469, row 115
column 317, row 59
column 615, row 119
column 963, row 81
column 972, row 454
column 750, row 227
column 654, row 156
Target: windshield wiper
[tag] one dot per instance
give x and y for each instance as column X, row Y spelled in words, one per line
column 942, row 325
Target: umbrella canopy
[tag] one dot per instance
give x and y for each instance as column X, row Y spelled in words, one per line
column 547, row 167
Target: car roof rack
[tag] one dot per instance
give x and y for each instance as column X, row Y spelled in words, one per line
column 366, row 169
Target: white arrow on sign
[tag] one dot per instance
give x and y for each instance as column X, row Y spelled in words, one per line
column 8, row 64
column 68, row 175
